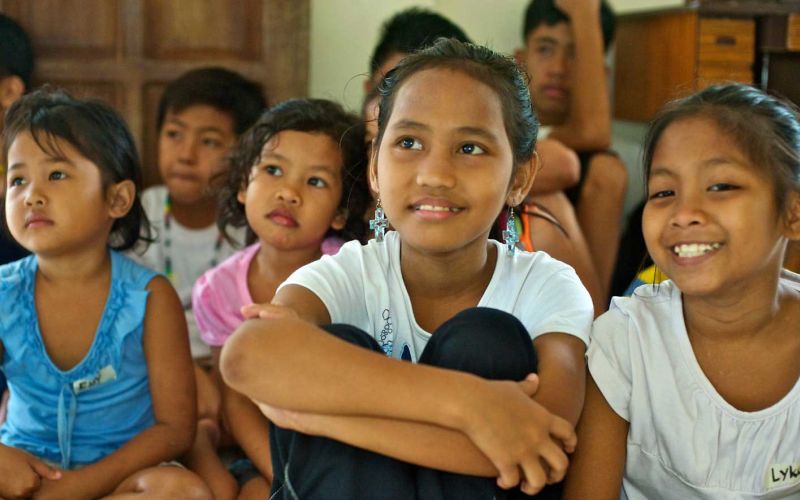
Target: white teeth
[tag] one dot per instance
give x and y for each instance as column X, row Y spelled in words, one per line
column 695, row 249
column 434, row 208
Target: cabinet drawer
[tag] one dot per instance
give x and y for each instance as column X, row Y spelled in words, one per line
column 793, row 32
column 726, row 41
column 709, row 74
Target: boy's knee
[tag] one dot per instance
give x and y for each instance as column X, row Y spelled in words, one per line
column 606, row 174
column 173, row 482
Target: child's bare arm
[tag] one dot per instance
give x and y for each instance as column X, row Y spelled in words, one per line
column 172, row 390
column 559, row 167
column 289, row 363
column 599, row 462
column 250, row 429
column 588, row 124
column 562, row 374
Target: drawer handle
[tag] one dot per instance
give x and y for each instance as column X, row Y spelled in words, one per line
column 725, row 40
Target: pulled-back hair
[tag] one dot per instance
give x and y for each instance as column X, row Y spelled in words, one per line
column 98, row 133
column 764, row 127
column 302, row 115
column 411, row 30
column 546, row 12
column 219, row 88
column 498, row 72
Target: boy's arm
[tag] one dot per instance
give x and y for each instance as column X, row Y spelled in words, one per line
column 291, row 364
column 588, row 124
column 171, row 379
column 599, row 462
column 559, row 167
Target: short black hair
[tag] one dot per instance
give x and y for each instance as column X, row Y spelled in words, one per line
column 219, row 88
column 98, row 133
column 16, row 51
column 411, row 30
column 546, row 12
column 303, row 115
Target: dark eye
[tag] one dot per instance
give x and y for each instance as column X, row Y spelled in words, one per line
column 57, row 175
column 661, row 194
column 172, row 133
column 722, row 186
column 471, row 149
column 273, row 170
column 211, row 142
column 16, row 181
column 317, row 182
column 409, row 143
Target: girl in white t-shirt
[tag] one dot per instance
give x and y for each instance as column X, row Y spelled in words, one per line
column 456, row 135
column 695, row 383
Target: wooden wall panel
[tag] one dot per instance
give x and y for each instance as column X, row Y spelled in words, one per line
column 202, row 29
column 87, row 29
column 124, row 51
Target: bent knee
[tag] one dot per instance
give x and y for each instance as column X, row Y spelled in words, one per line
column 607, row 173
column 167, row 482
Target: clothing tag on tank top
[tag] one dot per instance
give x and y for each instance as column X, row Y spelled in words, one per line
column 106, row 374
column 783, row 475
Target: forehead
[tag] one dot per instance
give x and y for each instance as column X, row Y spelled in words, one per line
column 202, row 116
column 314, row 148
column 559, row 33
column 447, row 95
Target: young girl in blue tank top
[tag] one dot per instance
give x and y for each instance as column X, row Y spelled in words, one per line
column 93, row 345
column 436, row 398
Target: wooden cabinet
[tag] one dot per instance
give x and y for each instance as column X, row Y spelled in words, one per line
column 667, row 54
column 126, row 51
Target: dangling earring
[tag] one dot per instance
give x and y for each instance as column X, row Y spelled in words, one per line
column 379, row 223
column 510, row 234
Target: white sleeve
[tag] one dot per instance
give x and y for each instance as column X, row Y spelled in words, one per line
column 561, row 305
column 152, row 200
column 338, row 282
column 610, row 362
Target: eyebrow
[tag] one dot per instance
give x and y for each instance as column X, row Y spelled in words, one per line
column 545, row 39
column 705, row 165
column 181, row 123
column 479, row 131
column 280, row 157
column 50, row 159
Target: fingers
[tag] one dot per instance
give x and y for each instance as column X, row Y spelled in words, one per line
column 266, row 311
column 563, row 431
column 530, row 384
column 44, row 470
column 555, row 462
column 509, row 476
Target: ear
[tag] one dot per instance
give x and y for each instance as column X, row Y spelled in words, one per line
column 522, row 182
column 120, row 198
column 792, row 216
column 372, row 170
column 241, row 195
column 11, row 89
column 339, row 220
column 520, row 56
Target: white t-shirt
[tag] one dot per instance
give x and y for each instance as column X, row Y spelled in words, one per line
column 363, row 286
column 684, row 439
column 192, row 252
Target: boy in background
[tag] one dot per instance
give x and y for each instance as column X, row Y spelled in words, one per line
column 565, row 42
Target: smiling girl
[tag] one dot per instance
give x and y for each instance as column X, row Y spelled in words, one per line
column 436, row 398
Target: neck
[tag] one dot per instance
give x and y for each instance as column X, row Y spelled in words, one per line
column 742, row 312
column 197, row 215
column 276, row 265
column 459, row 273
column 91, row 263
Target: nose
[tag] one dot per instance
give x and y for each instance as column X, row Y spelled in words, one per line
column 187, row 150
column 34, row 195
column 559, row 64
column 288, row 195
column 436, row 170
column 688, row 211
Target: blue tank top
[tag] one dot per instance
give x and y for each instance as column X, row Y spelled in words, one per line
column 78, row 416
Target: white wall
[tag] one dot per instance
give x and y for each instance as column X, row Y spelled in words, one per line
column 344, row 32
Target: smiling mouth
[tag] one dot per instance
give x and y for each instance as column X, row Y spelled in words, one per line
column 435, row 208
column 688, row 250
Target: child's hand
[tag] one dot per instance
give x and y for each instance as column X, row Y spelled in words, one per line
column 569, row 7
column 267, row 311
column 523, row 440
column 71, row 485
column 21, row 473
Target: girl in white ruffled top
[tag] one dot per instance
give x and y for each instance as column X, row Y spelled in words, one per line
column 694, row 389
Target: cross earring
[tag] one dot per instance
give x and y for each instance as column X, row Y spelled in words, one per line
column 379, row 223
column 510, row 234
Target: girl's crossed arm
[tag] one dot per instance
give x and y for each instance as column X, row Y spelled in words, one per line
column 290, row 363
column 172, row 390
